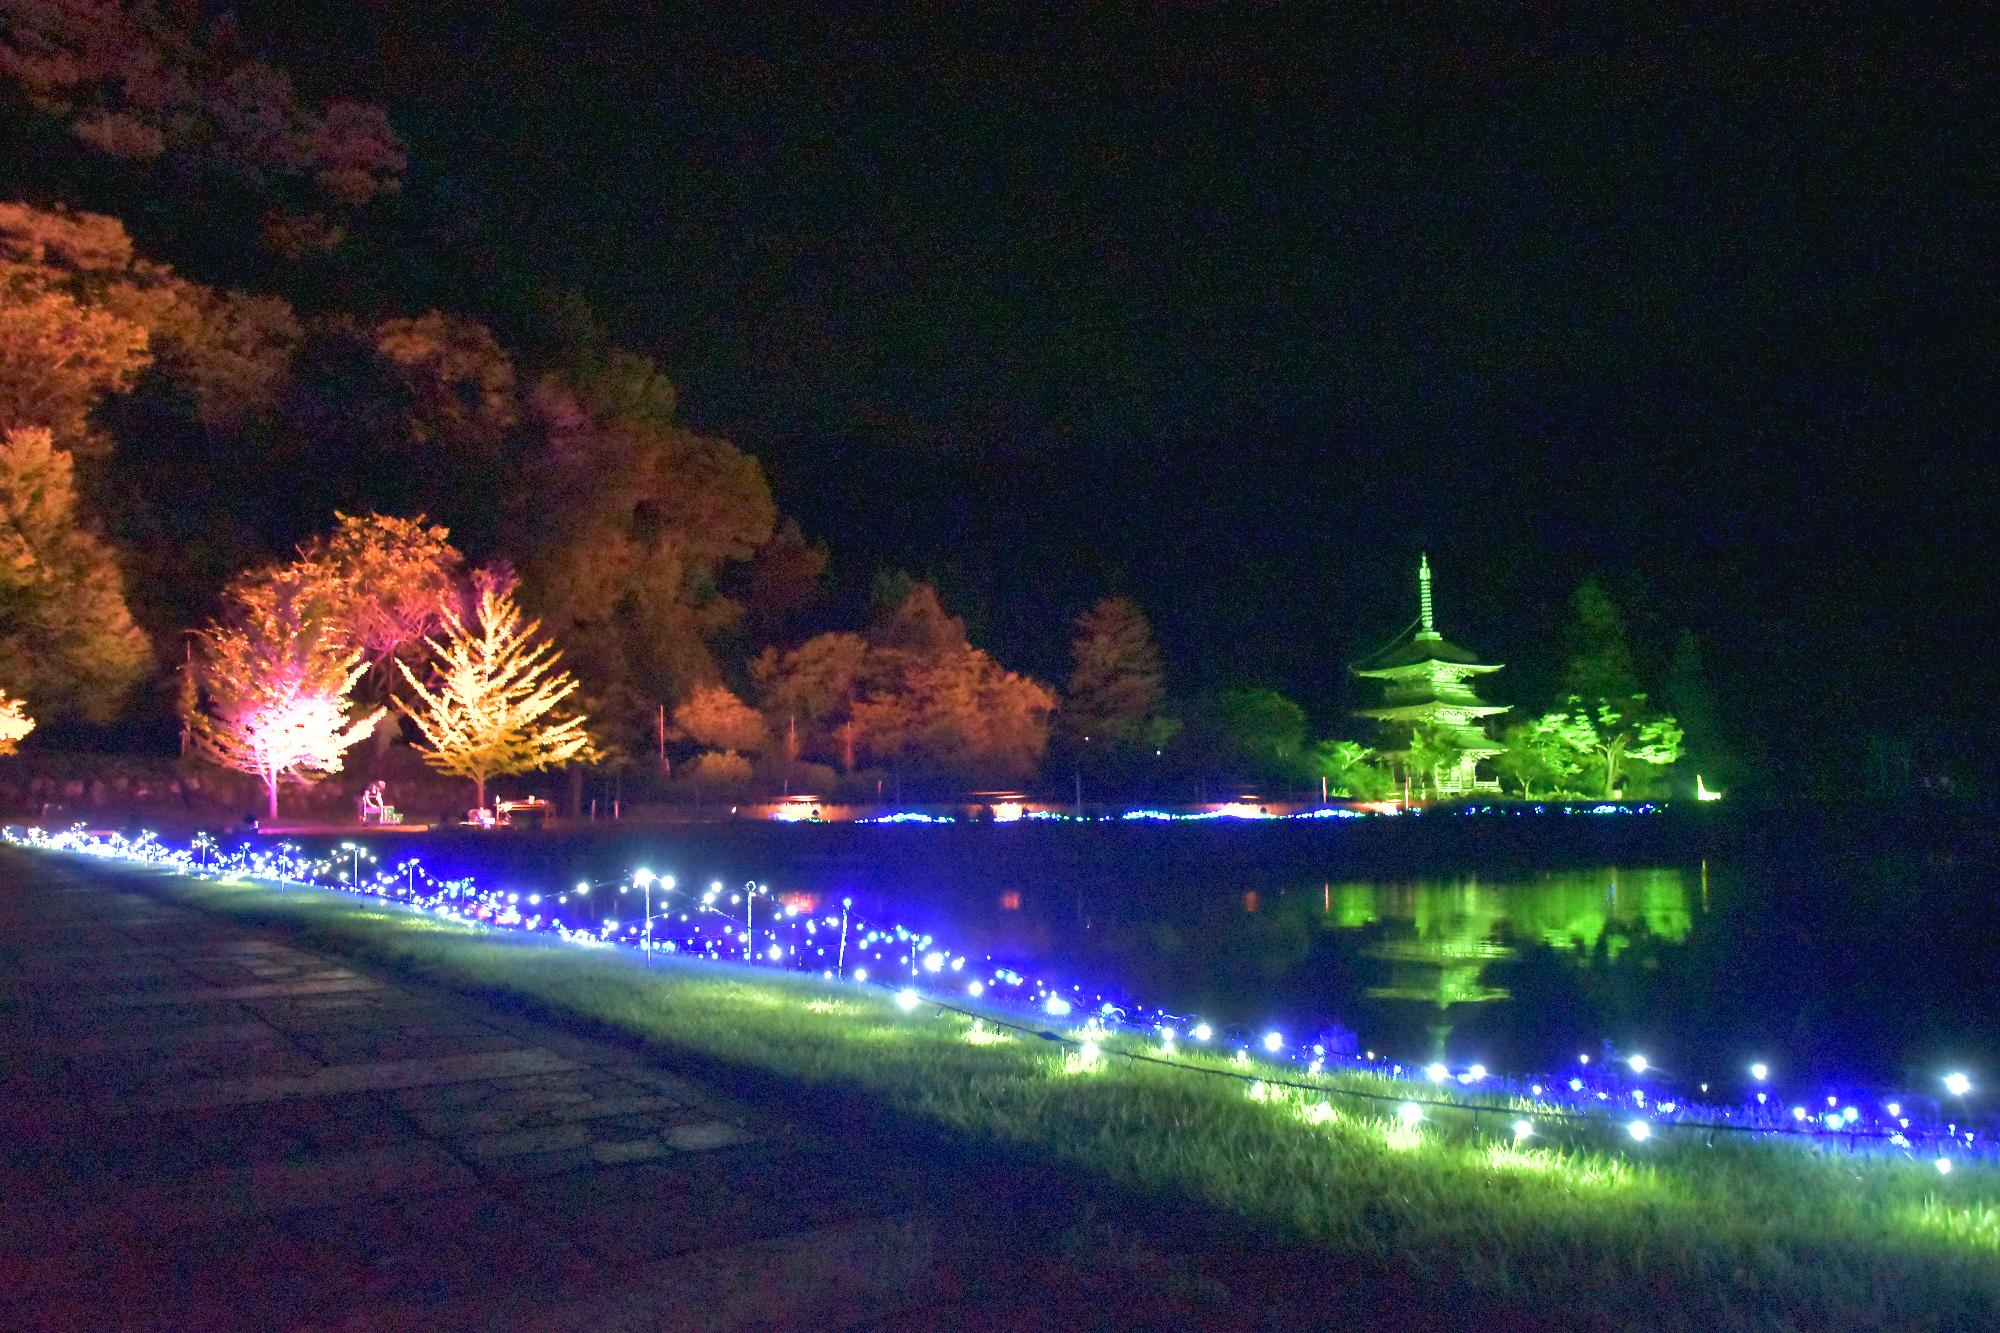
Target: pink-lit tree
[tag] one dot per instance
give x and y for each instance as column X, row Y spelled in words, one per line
column 268, row 690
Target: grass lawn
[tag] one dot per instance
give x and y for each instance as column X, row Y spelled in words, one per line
column 1578, row 1226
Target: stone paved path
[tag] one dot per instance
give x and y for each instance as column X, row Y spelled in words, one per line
column 204, row 1125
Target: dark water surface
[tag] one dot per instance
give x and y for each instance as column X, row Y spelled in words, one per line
column 1841, row 961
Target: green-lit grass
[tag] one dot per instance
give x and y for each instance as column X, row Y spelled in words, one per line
column 1579, row 1226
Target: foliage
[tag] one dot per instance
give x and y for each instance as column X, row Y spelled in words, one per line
column 721, row 768
column 67, row 641
column 1609, row 736
column 713, row 717
column 1116, row 688
column 15, row 724
column 490, row 705
column 913, row 691
column 1689, row 693
column 1546, row 752
column 1252, row 726
column 456, row 382
column 782, row 583
column 1352, row 770
column 1432, row 749
column 1600, row 653
column 389, row 581
column 64, row 340
column 625, row 523
column 811, row 690
column 174, row 93
column 267, row 690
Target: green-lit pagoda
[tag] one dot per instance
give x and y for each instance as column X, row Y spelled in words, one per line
column 1428, row 682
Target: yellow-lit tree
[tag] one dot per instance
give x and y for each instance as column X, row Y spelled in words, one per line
column 268, row 691
column 15, row 723
column 489, row 707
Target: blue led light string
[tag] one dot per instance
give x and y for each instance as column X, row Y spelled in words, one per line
column 895, row 947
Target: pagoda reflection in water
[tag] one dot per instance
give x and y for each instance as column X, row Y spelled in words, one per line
column 1440, row 939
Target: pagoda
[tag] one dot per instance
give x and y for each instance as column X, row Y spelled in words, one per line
column 1428, row 681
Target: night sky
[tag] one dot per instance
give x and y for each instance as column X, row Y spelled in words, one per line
column 1235, row 314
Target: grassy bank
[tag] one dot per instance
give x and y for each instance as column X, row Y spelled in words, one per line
column 1577, row 1224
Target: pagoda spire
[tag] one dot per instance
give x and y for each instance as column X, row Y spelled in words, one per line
column 1429, row 630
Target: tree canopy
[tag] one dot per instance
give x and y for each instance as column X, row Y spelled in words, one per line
column 68, row 644
column 488, row 702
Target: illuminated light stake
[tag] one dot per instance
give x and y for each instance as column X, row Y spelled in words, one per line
column 907, row 999
column 1944, row 1166
column 1639, row 1130
column 933, row 962
column 1274, row 1042
column 1436, row 1073
column 1760, row 1071
column 1957, row 1084
column 975, row 989
column 1476, row 1073
column 1410, row 1114
column 1523, row 1131
column 1057, row 1007
column 1639, row 1064
column 1202, row 1032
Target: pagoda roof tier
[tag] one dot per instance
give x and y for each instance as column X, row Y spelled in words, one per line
column 1423, row 709
column 1419, row 650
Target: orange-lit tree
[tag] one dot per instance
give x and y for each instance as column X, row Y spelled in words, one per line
column 388, row 581
column 268, row 690
column 67, row 641
column 490, row 704
column 15, row 723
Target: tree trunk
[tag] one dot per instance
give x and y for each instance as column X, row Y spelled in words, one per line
column 479, row 791
column 271, row 786
column 1612, row 754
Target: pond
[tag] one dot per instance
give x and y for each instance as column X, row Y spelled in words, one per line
column 1520, row 948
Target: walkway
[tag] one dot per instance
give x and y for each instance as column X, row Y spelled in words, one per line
column 206, row 1125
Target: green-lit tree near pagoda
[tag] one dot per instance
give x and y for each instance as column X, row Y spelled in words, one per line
column 1544, row 756
column 1352, row 770
column 489, row 705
